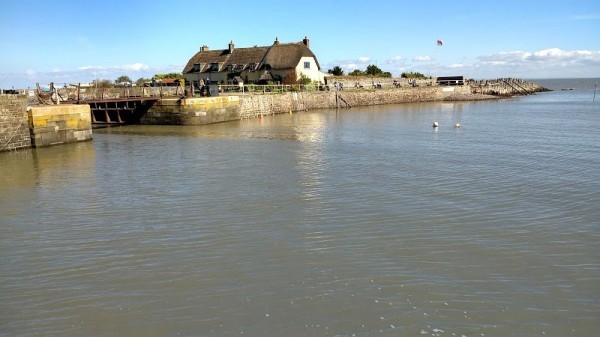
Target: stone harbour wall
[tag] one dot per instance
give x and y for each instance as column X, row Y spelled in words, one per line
column 59, row 124
column 193, row 111
column 208, row 110
column 14, row 127
column 505, row 87
column 256, row 105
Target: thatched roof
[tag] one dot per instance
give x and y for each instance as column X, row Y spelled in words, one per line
column 277, row 56
column 287, row 55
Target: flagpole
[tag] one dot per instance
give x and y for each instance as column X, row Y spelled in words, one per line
column 438, row 43
column 436, row 62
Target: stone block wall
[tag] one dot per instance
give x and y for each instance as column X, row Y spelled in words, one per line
column 193, row 111
column 59, row 124
column 14, row 128
column 207, row 110
column 255, row 105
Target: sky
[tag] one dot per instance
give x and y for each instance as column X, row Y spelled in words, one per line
column 75, row 41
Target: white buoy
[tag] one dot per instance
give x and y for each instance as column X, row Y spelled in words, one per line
column 435, row 124
column 457, row 125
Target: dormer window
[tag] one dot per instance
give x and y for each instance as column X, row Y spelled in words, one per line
column 252, row 66
column 230, row 68
column 214, row 66
column 239, row 67
column 196, row 67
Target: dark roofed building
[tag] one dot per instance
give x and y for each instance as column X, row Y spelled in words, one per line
column 253, row 64
column 450, row 80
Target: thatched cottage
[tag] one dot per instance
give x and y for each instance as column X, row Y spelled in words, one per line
column 274, row 63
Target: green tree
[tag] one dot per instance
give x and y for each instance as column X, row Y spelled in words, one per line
column 140, row 82
column 337, row 71
column 169, row 75
column 416, row 75
column 304, row 79
column 356, row 72
column 373, row 70
column 123, row 79
column 102, row 83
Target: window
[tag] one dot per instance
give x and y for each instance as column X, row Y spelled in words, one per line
column 306, row 65
column 239, row 67
column 196, row 67
column 252, row 66
column 214, row 66
column 230, row 68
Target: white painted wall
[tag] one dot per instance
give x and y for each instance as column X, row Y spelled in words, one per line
column 313, row 73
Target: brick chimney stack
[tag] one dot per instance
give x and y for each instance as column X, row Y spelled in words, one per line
column 204, row 48
column 306, row 42
column 230, row 46
column 276, row 40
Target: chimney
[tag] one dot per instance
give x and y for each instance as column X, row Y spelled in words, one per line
column 204, row 48
column 230, row 46
column 306, row 42
column 276, row 40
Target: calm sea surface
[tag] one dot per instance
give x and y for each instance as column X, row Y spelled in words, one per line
column 360, row 222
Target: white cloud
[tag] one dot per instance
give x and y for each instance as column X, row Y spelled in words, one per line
column 551, row 57
column 86, row 73
column 135, row 67
column 348, row 65
column 422, row 59
column 545, row 63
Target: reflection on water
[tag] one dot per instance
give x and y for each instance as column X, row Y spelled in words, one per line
column 359, row 222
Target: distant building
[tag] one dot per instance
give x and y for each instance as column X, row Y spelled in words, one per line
column 254, row 64
column 450, row 80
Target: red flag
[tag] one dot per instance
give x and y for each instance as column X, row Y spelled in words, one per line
column 440, row 42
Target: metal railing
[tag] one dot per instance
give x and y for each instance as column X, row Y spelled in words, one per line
column 75, row 92
column 261, row 89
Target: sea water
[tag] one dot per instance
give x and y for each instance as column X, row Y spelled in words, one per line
column 356, row 222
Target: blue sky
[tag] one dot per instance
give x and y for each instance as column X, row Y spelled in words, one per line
column 70, row 41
